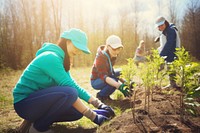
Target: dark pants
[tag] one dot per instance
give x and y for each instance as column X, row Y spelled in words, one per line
column 105, row 89
column 47, row 106
column 172, row 76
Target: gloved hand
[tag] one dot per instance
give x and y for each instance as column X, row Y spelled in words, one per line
column 110, row 113
column 100, row 119
column 125, row 90
column 102, row 112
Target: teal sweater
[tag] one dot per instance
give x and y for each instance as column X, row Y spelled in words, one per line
column 46, row 70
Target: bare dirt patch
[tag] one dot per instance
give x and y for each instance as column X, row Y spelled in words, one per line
column 163, row 116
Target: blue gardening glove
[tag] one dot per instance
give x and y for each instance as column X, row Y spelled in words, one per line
column 111, row 112
column 102, row 112
column 125, row 90
column 100, row 119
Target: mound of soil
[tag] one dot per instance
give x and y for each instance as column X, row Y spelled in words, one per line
column 163, row 116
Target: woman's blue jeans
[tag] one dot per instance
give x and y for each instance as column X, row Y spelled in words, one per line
column 44, row 107
column 105, row 89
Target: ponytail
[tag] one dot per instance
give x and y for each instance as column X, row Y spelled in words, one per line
column 62, row 44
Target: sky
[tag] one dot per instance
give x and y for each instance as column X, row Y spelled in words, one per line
column 148, row 10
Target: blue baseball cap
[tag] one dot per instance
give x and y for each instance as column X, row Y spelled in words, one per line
column 78, row 38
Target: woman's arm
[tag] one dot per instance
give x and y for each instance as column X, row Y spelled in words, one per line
column 87, row 112
column 80, row 106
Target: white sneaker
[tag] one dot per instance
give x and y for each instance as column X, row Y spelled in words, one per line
column 33, row 130
column 167, row 87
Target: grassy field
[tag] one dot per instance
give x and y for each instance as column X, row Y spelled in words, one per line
column 10, row 120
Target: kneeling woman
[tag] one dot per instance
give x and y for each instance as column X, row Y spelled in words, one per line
column 46, row 92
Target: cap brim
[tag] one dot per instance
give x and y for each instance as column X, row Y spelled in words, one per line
column 81, row 47
column 117, row 46
column 160, row 23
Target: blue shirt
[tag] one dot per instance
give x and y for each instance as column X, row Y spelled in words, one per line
column 170, row 45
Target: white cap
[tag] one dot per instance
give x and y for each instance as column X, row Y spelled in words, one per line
column 160, row 21
column 114, row 41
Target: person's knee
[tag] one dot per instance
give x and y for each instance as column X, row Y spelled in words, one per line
column 69, row 92
column 73, row 94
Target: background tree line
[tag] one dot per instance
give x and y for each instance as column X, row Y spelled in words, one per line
column 26, row 24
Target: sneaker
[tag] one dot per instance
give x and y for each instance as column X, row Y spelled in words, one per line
column 103, row 98
column 24, row 127
column 33, row 130
column 177, row 88
column 169, row 86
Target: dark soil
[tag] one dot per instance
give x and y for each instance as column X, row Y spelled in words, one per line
column 163, row 116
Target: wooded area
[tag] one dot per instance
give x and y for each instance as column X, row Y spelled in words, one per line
column 27, row 24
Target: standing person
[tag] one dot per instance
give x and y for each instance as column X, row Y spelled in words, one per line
column 46, row 92
column 169, row 41
column 140, row 53
column 103, row 76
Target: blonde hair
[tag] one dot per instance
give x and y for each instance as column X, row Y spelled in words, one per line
column 140, row 44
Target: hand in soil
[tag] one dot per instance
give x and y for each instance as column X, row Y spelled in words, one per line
column 111, row 112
